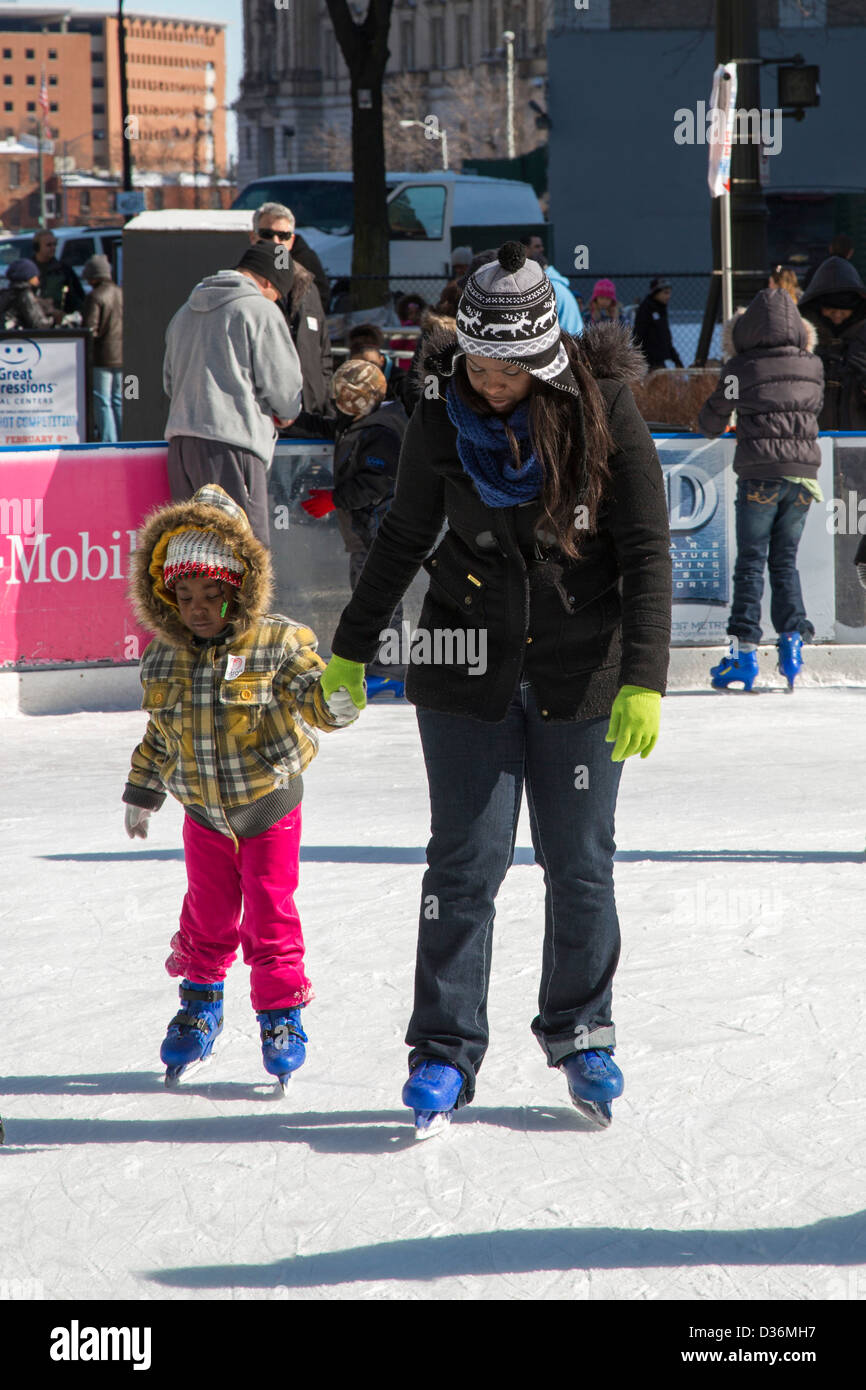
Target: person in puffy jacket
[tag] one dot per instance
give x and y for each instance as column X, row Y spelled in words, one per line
column 367, row 432
column 835, row 305
column 774, row 381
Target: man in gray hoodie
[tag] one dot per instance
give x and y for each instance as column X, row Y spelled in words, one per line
column 231, row 372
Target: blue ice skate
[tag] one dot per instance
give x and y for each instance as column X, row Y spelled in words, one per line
column 740, row 667
column 283, row 1041
column 432, row 1091
column 194, row 1030
column 380, row 687
column 790, row 646
column 594, row 1080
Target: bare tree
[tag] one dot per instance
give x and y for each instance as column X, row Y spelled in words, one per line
column 364, row 46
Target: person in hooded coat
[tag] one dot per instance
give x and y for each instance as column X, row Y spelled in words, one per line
column 775, row 381
column 543, row 638
column 835, row 305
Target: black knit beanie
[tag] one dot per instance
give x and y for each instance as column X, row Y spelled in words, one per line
column 508, row 311
column 273, row 262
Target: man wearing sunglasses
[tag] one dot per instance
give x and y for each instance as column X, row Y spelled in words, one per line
column 302, row 309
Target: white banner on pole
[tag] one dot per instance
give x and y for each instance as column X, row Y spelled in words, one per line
column 721, row 116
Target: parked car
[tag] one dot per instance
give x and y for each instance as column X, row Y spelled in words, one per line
column 429, row 214
column 75, row 246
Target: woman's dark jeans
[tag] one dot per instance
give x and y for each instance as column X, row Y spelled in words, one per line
column 476, row 773
column 771, row 514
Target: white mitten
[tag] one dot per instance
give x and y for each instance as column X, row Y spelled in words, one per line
column 342, row 706
column 135, row 822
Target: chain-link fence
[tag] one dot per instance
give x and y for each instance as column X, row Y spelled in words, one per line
column 685, row 308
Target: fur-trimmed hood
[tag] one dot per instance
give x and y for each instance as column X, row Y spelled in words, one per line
column 607, row 349
column 211, row 509
column 771, row 323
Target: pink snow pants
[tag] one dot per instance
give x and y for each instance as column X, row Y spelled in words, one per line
column 260, row 876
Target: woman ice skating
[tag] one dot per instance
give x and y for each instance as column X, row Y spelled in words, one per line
column 775, row 382
column 553, row 583
column 234, row 696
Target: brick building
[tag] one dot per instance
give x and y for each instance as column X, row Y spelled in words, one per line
column 176, row 73
column 19, row 183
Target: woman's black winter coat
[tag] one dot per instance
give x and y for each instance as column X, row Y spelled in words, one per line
column 578, row 630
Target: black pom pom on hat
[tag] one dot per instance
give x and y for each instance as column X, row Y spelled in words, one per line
column 512, row 255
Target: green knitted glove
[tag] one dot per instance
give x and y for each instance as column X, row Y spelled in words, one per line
column 634, row 722
column 349, row 675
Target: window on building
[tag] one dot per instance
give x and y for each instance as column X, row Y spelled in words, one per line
column 407, row 45
column 30, row 53
column 31, row 79
column 99, row 135
column 54, row 106
column 158, row 195
column 8, row 106
column 52, row 55
column 14, row 174
column 802, row 14
column 98, row 109
column 84, row 200
column 7, row 79
column 494, row 34
column 464, row 41
column 7, row 52
column 437, row 41
column 52, row 81
column 31, row 106
column 98, row 82
column 34, row 170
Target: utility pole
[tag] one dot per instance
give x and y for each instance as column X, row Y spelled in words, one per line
column 124, row 101
column 737, row 41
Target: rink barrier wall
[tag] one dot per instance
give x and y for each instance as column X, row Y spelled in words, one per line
column 68, row 640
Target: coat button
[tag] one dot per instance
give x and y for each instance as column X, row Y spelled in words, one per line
column 528, row 640
column 157, row 699
column 433, row 562
column 545, row 713
column 468, row 599
column 246, row 694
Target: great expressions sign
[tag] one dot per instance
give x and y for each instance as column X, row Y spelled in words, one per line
column 43, row 389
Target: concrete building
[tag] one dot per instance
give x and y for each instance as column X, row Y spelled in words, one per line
column 176, row 87
column 19, row 183
column 620, row 184
column 295, row 84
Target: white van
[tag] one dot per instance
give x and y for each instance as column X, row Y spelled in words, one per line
column 430, row 214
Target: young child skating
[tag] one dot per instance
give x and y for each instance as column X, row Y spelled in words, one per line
column 234, row 697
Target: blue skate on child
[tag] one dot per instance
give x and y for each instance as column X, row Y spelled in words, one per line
column 283, row 1039
column 193, row 1030
column 594, row 1080
column 383, row 687
column 432, row 1091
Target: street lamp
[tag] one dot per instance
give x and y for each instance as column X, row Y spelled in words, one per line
column 509, row 59
column 435, row 135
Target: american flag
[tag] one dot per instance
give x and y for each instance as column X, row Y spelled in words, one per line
column 44, row 107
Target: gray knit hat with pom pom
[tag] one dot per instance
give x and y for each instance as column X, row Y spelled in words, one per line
column 508, row 311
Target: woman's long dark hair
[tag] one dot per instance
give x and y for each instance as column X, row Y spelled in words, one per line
column 573, row 475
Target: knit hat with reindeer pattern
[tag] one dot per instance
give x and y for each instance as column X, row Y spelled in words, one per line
column 508, row 311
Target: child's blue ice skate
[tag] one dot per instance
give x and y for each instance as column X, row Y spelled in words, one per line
column 790, row 645
column 380, row 687
column 194, row 1030
column 283, row 1041
column 594, row 1080
column 432, row 1091
column 740, row 667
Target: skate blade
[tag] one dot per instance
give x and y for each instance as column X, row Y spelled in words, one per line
column 430, row 1122
column 599, row 1111
column 173, row 1075
column 281, row 1084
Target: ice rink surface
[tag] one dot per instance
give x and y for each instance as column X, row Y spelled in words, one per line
column 734, row 1165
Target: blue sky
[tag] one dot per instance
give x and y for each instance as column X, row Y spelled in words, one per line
column 231, row 14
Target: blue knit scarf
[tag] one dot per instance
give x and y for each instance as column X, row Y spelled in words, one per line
column 486, row 456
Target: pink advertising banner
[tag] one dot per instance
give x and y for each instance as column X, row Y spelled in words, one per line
column 68, row 519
